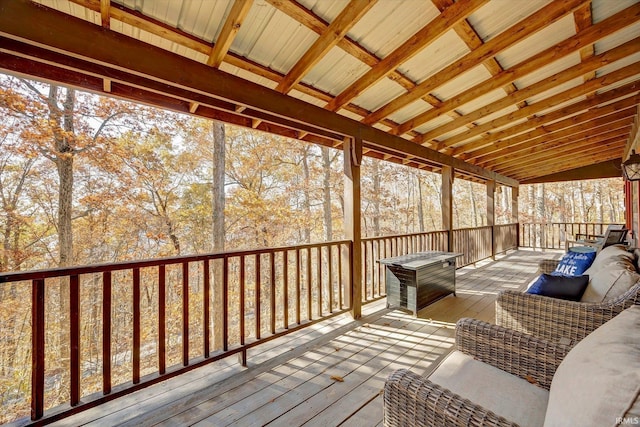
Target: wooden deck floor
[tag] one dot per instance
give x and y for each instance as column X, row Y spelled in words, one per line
column 329, row 374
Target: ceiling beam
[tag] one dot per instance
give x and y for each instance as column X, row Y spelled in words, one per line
column 566, row 128
column 105, row 15
column 583, row 19
column 427, row 35
column 608, row 169
column 556, row 148
column 585, row 38
column 547, row 103
column 113, row 52
column 597, row 155
column 336, row 31
column 230, row 29
column 594, row 106
column 512, row 35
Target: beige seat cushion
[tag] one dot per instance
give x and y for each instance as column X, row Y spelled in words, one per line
column 598, row 382
column 504, row 394
column 612, row 274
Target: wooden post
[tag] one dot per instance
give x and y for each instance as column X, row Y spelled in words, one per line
column 514, row 211
column 352, row 148
column 491, row 218
column 447, row 204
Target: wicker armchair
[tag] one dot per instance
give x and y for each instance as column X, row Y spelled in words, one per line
column 412, row 400
column 555, row 319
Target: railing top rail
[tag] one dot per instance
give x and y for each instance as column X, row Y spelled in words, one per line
column 394, row 236
column 18, row 276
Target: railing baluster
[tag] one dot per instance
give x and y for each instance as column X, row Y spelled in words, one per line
column 225, row 304
column 272, row 260
column 285, row 287
column 257, row 296
column 340, row 278
column 242, row 292
column 185, row 313
column 106, row 332
column 309, row 306
column 136, row 325
column 319, row 262
column 206, row 311
column 37, row 348
column 74, row 319
column 298, row 293
column 330, row 281
column 162, row 319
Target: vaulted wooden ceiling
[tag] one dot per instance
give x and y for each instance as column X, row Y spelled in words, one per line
column 509, row 90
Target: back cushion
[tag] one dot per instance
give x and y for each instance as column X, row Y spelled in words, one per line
column 612, row 273
column 598, row 383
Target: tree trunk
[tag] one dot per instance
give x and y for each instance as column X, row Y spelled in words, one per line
column 540, row 213
column 218, row 228
column 474, row 207
column 306, row 203
column 218, row 197
column 420, row 206
column 326, row 193
column 376, row 197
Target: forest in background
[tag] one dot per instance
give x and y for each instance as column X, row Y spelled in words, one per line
column 86, row 179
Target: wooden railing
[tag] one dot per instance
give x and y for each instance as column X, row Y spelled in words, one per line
column 181, row 313
column 553, row 235
column 101, row 331
column 475, row 244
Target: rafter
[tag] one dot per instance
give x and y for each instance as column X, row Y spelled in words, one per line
column 550, row 102
column 230, row 29
column 517, row 32
column 427, row 35
column 583, row 20
column 349, row 16
column 585, row 38
column 568, row 127
column 146, row 62
column 105, row 14
column 557, row 147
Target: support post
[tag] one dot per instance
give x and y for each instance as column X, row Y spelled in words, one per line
column 447, row 204
column 514, row 212
column 491, row 217
column 352, row 222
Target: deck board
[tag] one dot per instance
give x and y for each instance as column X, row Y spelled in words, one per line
column 288, row 381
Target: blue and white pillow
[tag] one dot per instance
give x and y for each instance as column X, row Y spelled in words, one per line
column 575, row 262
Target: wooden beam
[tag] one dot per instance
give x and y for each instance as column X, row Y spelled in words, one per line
column 594, row 105
column 230, row 29
column 583, row 20
column 555, row 148
column 608, row 169
column 427, row 35
column 349, row 16
column 634, row 136
column 585, row 121
column 112, row 53
column 105, row 15
column 584, row 38
column 515, row 191
column 565, row 156
column 596, row 155
column 531, row 109
column 193, row 107
column 106, row 85
column 528, row 26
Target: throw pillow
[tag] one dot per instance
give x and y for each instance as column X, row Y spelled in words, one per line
column 574, row 263
column 562, row 287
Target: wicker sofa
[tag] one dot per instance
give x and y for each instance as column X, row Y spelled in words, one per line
column 614, row 268
column 501, row 377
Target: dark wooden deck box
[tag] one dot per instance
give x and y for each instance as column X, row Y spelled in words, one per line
column 417, row 280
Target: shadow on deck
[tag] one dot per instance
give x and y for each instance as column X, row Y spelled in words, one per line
column 329, row 374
